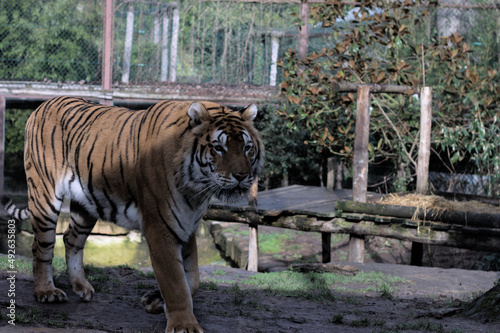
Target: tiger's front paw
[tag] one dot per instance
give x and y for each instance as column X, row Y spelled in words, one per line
column 153, row 302
column 50, row 295
column 184, row 328
column 84, row 290
column 182, row 322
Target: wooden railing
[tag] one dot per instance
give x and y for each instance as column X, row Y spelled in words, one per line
column 480, row 232
column 360, row 165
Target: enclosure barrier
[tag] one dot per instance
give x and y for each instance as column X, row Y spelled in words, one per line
column 311, row 222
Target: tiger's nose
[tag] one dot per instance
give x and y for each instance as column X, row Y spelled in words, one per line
column 240, row 176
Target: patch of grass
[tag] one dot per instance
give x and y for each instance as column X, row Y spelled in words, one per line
column 219, row 272
column 148, row 274
column 365, row 322
column 29, row 317
column 59, row 264
column 239, row 294
column 425, row 326
column 319, row 286
column 385, row 291
column 91, row 269
column 64, row 315
column 96, row 274
column 210, row 285
column 21, row 264
column 55, row 323
column 142, row 285
column 88, row 324
column 272, row 242
column 338, row 318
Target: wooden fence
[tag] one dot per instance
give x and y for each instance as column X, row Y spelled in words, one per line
column 360, row 174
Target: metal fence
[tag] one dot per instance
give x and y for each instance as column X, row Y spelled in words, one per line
column 202, row 41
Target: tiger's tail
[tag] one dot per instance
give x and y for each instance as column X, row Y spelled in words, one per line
column 12, row 210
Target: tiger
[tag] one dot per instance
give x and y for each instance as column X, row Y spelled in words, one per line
column 154, row 170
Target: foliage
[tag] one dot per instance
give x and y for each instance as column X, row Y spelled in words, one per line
column 287, row 158
column 387, row 43
column 57, row 40
column 468, row 109
column 15, row 122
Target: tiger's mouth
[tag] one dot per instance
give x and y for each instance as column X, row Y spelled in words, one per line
column 232, row 195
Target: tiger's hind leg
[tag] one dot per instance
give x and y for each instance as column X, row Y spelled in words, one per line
column 80, row 227
column 44, row 217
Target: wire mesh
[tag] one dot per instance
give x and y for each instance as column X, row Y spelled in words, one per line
column 229, row 42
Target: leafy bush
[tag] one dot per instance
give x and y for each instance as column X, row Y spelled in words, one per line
column 389, row 43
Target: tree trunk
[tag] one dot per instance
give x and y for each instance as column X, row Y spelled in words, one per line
column 485, row 307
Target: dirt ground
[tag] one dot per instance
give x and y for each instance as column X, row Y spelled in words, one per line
column 421, row 303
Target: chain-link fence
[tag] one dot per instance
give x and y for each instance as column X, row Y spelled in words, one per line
column 229, row 42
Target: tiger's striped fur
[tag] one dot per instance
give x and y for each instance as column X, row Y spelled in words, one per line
column 153, row 170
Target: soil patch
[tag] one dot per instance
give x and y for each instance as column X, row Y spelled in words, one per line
column 227, row 303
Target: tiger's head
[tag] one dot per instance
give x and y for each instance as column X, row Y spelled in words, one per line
column 227, row 153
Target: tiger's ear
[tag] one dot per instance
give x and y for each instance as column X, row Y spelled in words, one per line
column 249, row 113
column 198, row 114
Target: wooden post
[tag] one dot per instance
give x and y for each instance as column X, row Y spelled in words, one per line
column 253, row 240
column 424, row 149
column 303, row 32
column 360, row 158
column 173, row 45
column 107, row 53
column 360, row 166
column 424, row 152
column 275, row 45
column 330, row 176
column 129, row 35
column 339, row 175
column 326, row 247
column 2, row 143
column 164, row 49
column 253, row 248
column 417, row 252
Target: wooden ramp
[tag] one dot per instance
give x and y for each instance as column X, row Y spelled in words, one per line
column 297, row 198
column 312, row 209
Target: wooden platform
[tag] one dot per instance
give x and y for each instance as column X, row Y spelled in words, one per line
column 296, row 198
column 312, row 209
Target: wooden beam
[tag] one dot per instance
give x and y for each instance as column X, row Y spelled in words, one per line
column 374, row 88
column 478, row 220
column 484, row 239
